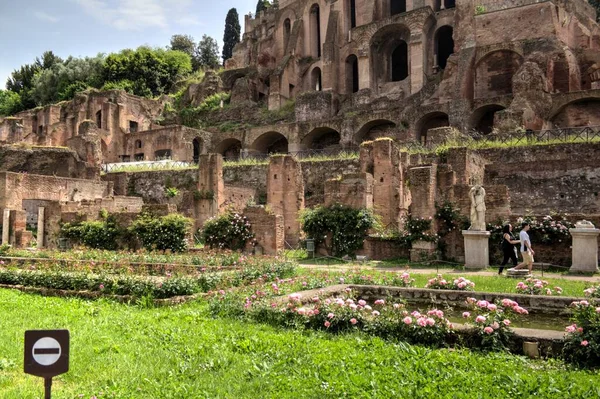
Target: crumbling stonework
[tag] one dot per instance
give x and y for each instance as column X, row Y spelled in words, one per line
column 211, row 190
column 285, row 194
column 268, row 229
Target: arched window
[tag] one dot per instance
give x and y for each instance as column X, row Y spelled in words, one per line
column 287, row 28
column 444, row 45
column 315, row 30
column 316, row 79
column 397, row 7
column 352, row 74
column 99, row 119
column 399, row 62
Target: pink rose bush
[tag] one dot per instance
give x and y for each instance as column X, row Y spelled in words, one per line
column 459, row 284
column 534, row 286
column 490, row 322
column 582, row 336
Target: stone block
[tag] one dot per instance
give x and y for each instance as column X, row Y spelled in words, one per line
column 476, row 249
column 585, row 248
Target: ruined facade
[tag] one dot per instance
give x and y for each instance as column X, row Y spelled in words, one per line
column 358, row 70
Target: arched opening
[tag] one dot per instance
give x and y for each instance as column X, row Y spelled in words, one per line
column 322, row 138
column 352, row 74
column 352, row 13
column 138, row 144
column 580, row 113
column 397, row 7
column 399, row 62
column 444, row 46
column 197, row 143
column 99, row 119
column 160, row 155
column 315, row 79
column 287, row 29
column 375, row 129
column 315, row 30
column 271, row 143
column 494, row 73
column 482, row 120
column 450, row 3
column 430, row 121
column 133, row 127
column 229, row 148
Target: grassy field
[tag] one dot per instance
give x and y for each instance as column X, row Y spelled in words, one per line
column 120, row 351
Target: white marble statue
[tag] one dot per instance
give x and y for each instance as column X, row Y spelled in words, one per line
column 477, row 195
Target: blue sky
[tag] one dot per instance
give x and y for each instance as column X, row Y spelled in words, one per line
column 88, row 27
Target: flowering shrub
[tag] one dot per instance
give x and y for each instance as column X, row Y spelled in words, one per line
column 164, row 233
column 101, row 234
column 582, row 341
column 533, row 286
column 230, row 231
column 490, row 322
column 345, row 313
column 459, row 284
column 348, row 226
column 548, row 230
column 592, row 292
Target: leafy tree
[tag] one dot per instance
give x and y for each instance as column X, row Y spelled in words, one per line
column 208, row 52
column 10, row 103
column 22, row 79
column 262, row 5
column 186, row 44
column 152, row 72
column 231, row 36
column 63, row 80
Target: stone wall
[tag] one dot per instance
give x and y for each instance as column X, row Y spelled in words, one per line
column 52, row 161
column 268, row 230
column 382, row 249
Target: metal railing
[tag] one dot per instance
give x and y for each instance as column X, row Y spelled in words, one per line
column 303, row 154
column 147, row 165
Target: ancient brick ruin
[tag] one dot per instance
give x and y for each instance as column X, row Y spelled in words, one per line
column 377, row 77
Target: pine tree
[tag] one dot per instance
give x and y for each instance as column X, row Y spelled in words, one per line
column 262, row 5
column 232, row 33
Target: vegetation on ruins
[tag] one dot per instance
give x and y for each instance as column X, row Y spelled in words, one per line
column 227, row 231
column 99, row 234
column 203, row 55
column 164, row 233
column 231, row 36
column 347, row 227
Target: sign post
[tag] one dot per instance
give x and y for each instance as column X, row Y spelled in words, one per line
column 46, row 355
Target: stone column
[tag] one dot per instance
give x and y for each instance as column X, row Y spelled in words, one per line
column 416, row 63
column 6, row 227
column 40, row 227
column 477, row 254
column 585, row 248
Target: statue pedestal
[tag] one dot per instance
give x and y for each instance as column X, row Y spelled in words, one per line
column 477, row 253
column 585, row 250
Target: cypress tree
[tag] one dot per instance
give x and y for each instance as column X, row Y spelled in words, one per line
column 232, row 33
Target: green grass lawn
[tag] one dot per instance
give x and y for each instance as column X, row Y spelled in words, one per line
column 129, row 352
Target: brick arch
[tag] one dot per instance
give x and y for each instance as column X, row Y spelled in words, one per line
column 431, row 120
column 229, row 148
column 321, row 137
column 482, row 119
column 371, row 129
column 270, row 142
column 494, row 72
column 581, row 112
column 390, row 54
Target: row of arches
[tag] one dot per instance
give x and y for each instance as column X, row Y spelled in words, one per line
column 481, row 120
column 390, row 45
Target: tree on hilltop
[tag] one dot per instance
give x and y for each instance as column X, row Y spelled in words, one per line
column 262, row 5
column 208, row 52
column 232, row 33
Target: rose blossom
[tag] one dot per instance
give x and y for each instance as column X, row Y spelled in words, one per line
column 495, row 325
column 353, row 321
column 584, row 343
column 488, row 330
column 407, row 320
column 330, row 316
column 506, row 322
column 492, row 307
column 480, row 319
column 430, row 321
column 327, row 324
column 379, row 302
column 362, row 302
column 466, row 315
column 375, row 313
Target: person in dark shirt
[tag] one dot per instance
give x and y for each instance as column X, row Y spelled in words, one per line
column 508, row 247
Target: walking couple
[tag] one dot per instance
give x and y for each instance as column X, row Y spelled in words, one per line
column 510, row 251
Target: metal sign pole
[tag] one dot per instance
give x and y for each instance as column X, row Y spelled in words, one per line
column 48, row 387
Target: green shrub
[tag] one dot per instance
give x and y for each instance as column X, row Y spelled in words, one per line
column 213, row 102
column 227, row 231
column 101, row 234
column 582, row 342
column 348, row 226
column 163, row 233
column 171, row 192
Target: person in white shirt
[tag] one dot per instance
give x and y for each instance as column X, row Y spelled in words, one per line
column 526, row 250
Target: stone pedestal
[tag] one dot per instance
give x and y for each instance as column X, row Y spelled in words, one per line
column 477, row 253
column 585, row 249
column 423, row 251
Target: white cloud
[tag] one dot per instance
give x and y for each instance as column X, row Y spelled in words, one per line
column 189, row 21
column 45, row 17
column 132, row 14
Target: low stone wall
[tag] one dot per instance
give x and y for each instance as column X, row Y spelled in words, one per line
column 381, row 249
